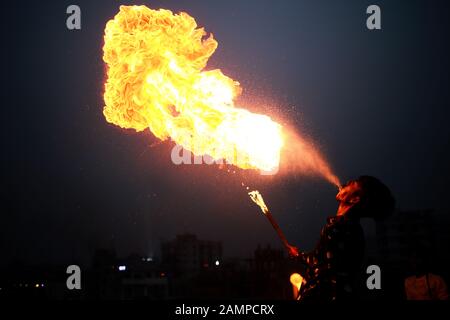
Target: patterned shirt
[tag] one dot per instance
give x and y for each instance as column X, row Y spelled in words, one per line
column 330, row 269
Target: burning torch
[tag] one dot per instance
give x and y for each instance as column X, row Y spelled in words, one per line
column 258, row 199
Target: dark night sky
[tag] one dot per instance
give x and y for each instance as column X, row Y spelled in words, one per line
column 374, row 102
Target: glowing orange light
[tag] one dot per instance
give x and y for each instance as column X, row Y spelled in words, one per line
column 296, row 280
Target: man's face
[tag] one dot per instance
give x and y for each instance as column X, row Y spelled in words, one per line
column 348, row 196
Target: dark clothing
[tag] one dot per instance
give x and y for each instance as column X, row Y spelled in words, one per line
column 330, row 269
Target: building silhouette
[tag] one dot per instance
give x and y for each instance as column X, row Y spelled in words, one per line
column 407, row 233
column 186, row 256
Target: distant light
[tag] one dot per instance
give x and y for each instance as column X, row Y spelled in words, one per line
column 122, row 268
column 163, row 274
column 36, row 285
column 42, row 285
column 149, row 259
column 217, row 262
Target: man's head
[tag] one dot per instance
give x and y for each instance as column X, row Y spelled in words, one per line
column 372, row 198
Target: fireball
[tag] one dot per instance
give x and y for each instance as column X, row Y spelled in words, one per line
column 156, row 79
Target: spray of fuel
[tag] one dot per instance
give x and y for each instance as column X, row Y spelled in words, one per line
column 299, row 155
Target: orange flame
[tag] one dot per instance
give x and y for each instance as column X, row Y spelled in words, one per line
column 296, row 280
column 259, row 200
column 156, row 79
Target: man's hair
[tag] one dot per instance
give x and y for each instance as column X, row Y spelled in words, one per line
column 376, row 201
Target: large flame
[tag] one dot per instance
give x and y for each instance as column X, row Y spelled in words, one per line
column 156, row 79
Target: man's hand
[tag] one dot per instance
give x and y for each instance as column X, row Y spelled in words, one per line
column 292, row 251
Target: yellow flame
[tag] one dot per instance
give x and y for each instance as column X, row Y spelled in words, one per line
column 257, row 198
column 156, row 79
column 296, row 280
